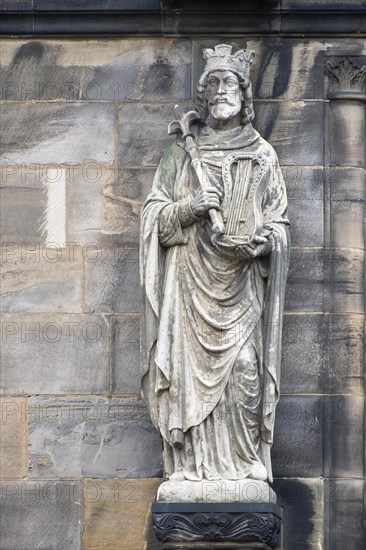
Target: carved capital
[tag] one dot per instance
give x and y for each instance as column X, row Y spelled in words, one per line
column 347, row 77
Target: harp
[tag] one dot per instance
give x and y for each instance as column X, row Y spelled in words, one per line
column 243, row 182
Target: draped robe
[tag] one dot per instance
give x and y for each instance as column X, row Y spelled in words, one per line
column 211, row 323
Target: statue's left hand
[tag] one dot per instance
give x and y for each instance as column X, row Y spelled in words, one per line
column 224, row 244
column 258, row 246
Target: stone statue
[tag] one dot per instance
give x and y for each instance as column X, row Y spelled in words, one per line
column 214, row 260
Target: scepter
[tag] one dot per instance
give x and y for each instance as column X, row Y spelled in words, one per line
column 182, row 125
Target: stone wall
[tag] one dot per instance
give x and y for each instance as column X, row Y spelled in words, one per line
column 84, row 124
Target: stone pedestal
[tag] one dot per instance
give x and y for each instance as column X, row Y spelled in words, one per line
column 220, row 491
column 212, row 525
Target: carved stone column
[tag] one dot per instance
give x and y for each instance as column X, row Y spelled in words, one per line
column 347, row 76
column 345, row 258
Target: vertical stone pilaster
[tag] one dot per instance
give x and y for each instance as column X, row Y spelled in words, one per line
column 13, row 438
column 347, row 95
column 345, row 163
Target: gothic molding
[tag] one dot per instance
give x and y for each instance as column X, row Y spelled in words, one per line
column 176, row 18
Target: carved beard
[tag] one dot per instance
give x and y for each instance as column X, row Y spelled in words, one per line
column 224, row 110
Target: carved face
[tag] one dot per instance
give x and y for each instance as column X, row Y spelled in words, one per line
column 224, row 94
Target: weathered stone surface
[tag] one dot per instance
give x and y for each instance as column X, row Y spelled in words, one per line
column 40, row 514
column 17, row 223
column 37, row 278
column 344, row 514
column 297, row 448
column 87, row 182
column 323, row 353
column 346, row 207
column 344, row 441
column 56, row 133
column 347, row 223
column 305, row 192
column 307, row 222
column 126, row 354
column 143, row 132
column 106, row 203
column 134, row 183
column 123, row 199
column 346, row 346
column 279, row 121
column 23, row 201
column 347, row 275
column 346, row 135
column 290, row 70
column 94, row 70
column 346, row 183
column 302, row 503
column 303, row 183
column 304, row 354
column 306, row 293
column 22, row 175
column 303, row 422
column 302, row 77
column 13, row 438
column 54, row 353
column 118, row 513
column 122, row 217
column 112, row 280
column 92, row 437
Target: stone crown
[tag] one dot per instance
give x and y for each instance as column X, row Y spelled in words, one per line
column 221, row 58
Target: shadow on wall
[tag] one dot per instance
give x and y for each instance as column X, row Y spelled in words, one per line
column 298, row 501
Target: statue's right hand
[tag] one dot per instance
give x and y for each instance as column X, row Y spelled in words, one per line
column 205, row 200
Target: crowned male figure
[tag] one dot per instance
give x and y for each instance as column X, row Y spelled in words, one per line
column 213, row 301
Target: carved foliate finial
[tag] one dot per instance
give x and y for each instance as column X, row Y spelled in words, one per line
column 182, row 122
column 221, row 58
column 346, row 74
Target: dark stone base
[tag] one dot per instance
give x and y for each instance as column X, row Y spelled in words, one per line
column 215, row 546
column 249, row 526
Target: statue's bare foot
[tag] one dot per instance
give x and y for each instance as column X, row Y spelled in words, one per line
column 258, row 472
column 177, row 476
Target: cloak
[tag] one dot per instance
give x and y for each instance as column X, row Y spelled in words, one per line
column 200, row 308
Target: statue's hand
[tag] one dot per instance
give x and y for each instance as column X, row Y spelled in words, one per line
column 258, row 246
column 224, row 244
column 205, row 200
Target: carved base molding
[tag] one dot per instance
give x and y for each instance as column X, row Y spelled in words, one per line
column 248, row 526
